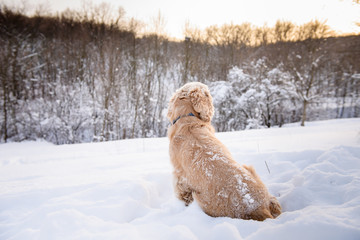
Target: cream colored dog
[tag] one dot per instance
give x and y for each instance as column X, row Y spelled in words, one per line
column 204, row 168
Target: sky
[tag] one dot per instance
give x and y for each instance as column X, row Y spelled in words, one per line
column 340, row 15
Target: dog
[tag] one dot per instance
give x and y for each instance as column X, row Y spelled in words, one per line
column 204, row 169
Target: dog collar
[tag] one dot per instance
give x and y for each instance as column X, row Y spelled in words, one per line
column 188, row 115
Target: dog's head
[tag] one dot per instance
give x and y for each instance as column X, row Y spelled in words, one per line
column 193, row 98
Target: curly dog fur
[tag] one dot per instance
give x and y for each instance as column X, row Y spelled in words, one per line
column 204, row 169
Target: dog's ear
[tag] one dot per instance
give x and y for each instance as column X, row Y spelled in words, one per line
column 170, row 108
column 202, row 103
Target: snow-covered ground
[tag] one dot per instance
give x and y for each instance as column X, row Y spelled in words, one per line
column 123, row 189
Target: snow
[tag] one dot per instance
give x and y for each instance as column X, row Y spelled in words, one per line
column 123, row 189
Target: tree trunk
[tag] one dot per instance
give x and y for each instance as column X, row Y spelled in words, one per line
column 341, row 114
column 135, row 117
column 303, row 118
column 105, row 128
column 5, row 112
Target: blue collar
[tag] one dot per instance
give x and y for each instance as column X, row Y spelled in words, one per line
column 188, row 115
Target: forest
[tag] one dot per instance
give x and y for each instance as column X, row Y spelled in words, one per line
column 84, row 77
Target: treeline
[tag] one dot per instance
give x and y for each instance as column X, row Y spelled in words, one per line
column 81, row 77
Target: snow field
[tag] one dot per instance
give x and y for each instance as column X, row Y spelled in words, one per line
column 123, row 189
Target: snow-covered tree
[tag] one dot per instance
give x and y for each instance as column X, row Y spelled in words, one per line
column 264, row 98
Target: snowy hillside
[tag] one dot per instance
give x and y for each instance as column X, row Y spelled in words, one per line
column 123, row 189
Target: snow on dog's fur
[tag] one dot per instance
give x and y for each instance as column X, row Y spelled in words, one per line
column 204, row 169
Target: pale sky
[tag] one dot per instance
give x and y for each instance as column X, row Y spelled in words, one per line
column 341, row 15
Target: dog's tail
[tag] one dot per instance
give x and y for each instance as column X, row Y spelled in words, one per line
column 266, row 211
column 275, row 208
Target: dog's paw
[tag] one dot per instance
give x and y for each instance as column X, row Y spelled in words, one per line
column 187, row 197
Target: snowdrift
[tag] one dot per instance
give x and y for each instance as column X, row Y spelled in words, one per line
column 123, row 189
